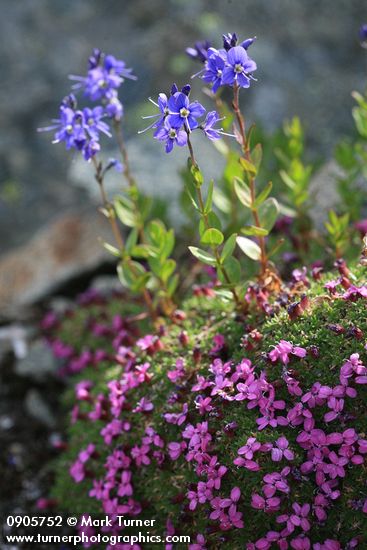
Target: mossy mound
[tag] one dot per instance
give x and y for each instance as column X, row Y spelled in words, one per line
column 162, row 486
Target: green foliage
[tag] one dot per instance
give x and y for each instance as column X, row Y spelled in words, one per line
column 159, row 487
column 337, row 228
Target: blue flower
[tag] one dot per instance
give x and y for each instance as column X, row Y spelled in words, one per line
column 229, row 40
column 70, row 128
column 94, row 124
column 363, row 35
column 114, row 108
column 214, row 67
column 171, row 136
column 162, row 104
column 239, row 68
column 105, row 75
column 184, row 113
column 211, row 119
column 199, row 51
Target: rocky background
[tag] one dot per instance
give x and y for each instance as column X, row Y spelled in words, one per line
column 308, row 56
column 309, row 60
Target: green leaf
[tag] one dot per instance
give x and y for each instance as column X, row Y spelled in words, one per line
column 132, row 240
column 254, row 231
column 287, row 179
column 209, row 199
column 243, row 192
column 212, row 237
column 156, row 233
column 228, row 247
column 232, row 268
column 221, row 201
column 132, row 275
column 169, row 244
column 203, row 256
column 256, row 155
column 263, row 195
column 192, row 199
column 172, row 285
column 196, row 174
column 142, row 251
column 248, row 166
column 268, row 213
column 124, row 209
column 250, row 248
column 112, row 249
column 213, row 221
column 167, row 270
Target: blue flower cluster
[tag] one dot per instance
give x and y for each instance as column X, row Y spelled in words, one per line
column 80, row 129
column 228, row 66
column 178, row 117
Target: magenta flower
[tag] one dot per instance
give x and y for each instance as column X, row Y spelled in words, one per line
column 281, row 450
column 125, row 488
column 203, row 404
column 77, row 471
column 140, row 455
column 144, row 406
column 199, row 544
column 177, row 418
column 176, row 449
column 283, row 350
column 271, row 504
column 297, row 519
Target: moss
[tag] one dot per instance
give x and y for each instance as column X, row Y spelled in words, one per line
column 159, row 488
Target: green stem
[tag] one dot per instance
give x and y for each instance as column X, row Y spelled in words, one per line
column 115, row 228
column 207, row 225
column 245, row 145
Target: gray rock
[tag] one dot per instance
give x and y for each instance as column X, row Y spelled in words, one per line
column 38, row 364
column 307, row 54
column 37, row 408
column 61, row 250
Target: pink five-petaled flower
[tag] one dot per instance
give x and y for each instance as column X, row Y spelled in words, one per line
column 177, row 418
column 271, row 504
column 178, row 372
column 281, row 450
column 247, row 452
column 125, row 488
column 199, row 544
column 143, row 406
column 113, row 429
column 176, row 449
column 297, row 519
column 203, row 404
column 276, row 481
column 283, row 350
column 77, row 471
column 301, row 543
column 140, row 455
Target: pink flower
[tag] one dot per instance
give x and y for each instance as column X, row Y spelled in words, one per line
column 203, row 404
column 283, row 350
column 271, row 504
column 125, row 488
column 85, row 454
column 177, row 418
column 199, row 544
column 178, row 373
column 139, row 454
column 281, row 450
column 297, row 519
column 175, row 449
column 77, row 471
column 144, row 406
column 113, row 429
